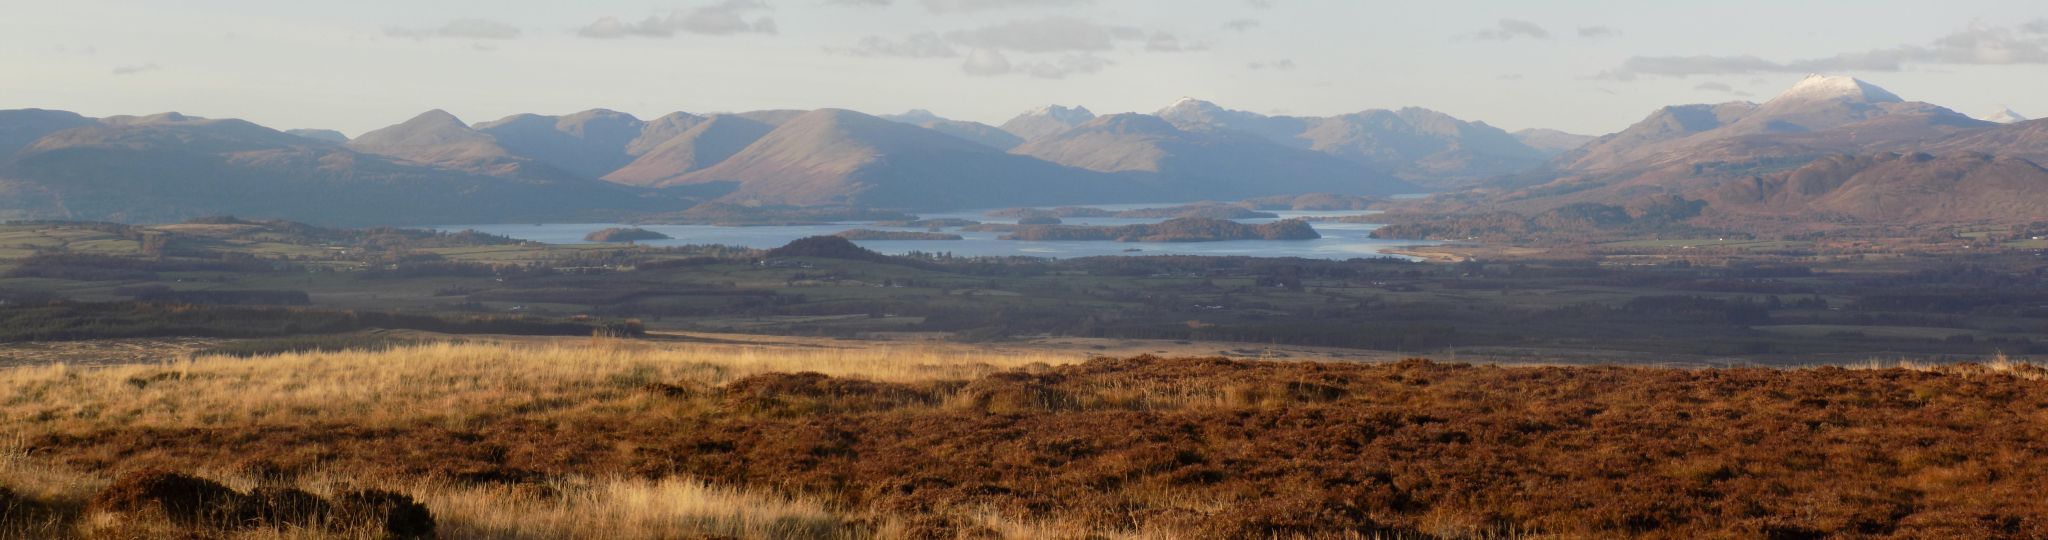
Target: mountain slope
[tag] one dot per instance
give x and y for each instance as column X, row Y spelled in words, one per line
column 172, row 167
column 1047, row 121
column 327, row 135
column 1420, row 145
column 987, row 135
column 708, row 143
column 1220, row 164
column 1551, row 141
column 839, row 157
column 1832, row 112
column 20, row 128
column 589, row 144
column 1897, row 188
column 2027, row 140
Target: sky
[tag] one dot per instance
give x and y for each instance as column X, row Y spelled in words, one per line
column 1587, row 66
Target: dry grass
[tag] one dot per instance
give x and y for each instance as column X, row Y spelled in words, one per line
column 1998, row 364
column 450, row 384
column 609, row 439
column 567, row 508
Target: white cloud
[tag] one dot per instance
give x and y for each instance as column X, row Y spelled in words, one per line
column 990, row 63
column 1507, row 29
column 971, row 6
column 1598, row 31
column 724, row 18
column 923, row 45
column 986, row 63
column 1051, row 34
column 459, row 29
column 1977, row 45
column 1276, row 65
column 136, row 68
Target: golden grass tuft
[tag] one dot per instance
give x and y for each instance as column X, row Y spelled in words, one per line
column 454, row 384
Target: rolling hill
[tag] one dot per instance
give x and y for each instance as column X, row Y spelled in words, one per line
column 1220, row 164
column 707, row 143
column 839, row 157
column 1419, row 145
column 171, row 167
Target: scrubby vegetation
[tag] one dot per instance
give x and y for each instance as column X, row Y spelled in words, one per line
column 946, row 443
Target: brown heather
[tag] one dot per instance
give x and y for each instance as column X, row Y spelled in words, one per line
column 628, row 440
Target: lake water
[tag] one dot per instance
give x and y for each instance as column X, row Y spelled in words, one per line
column 1339, row 241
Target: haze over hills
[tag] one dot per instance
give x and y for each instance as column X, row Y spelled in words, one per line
column 985, row 134
column 839, row 157
column 1423, row 146
column 171, row 167
column 1190, row 150
column 1829, row 148
column 1210, row 162
column 1047, row 121
column 709, row 142
column 2005, row 115
column 588, row 144
column 1551, row 141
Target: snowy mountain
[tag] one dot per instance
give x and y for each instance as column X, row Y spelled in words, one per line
column 2005, row 115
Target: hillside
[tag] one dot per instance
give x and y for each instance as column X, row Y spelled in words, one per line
column 839, row 157
column 1824, row 150
column 21, row 128
column 709, row 142
column 1047, row 121
column 1897, row 188
column 1420, row 145
column 589, row 144
column 438, row 139
column 1224, row 164
column 171, row 167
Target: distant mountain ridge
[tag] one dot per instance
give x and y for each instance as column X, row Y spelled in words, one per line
column 171, row 167
column 1418, row 145
column 1827, row 148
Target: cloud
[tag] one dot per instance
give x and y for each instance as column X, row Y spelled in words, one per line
column 863, row 3
column 459, row 29
column 1276, row 65
column 1712, row 86
column 2037, row 26
column 971, row 6
column 1977, row 45
column 986, row 63
column 1241, row 25
column 1051, row 34
column 1164, row 42
column 724, row 18
column 1508, row 29
column 1598, row 31
column 136, row 68
column 1509, row 76
column 923, row 45
column 1260, row 4
column 990, row 63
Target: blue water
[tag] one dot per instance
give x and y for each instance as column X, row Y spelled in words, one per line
column 1339, row 241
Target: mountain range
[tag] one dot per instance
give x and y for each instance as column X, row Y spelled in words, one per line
column 1830, row 148
column 1788, row 155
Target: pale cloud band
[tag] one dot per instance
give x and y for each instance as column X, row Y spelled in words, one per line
column 2025, row 44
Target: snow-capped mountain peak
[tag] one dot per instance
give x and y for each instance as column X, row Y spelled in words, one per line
column 1836, row 87
column 2005, row 115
